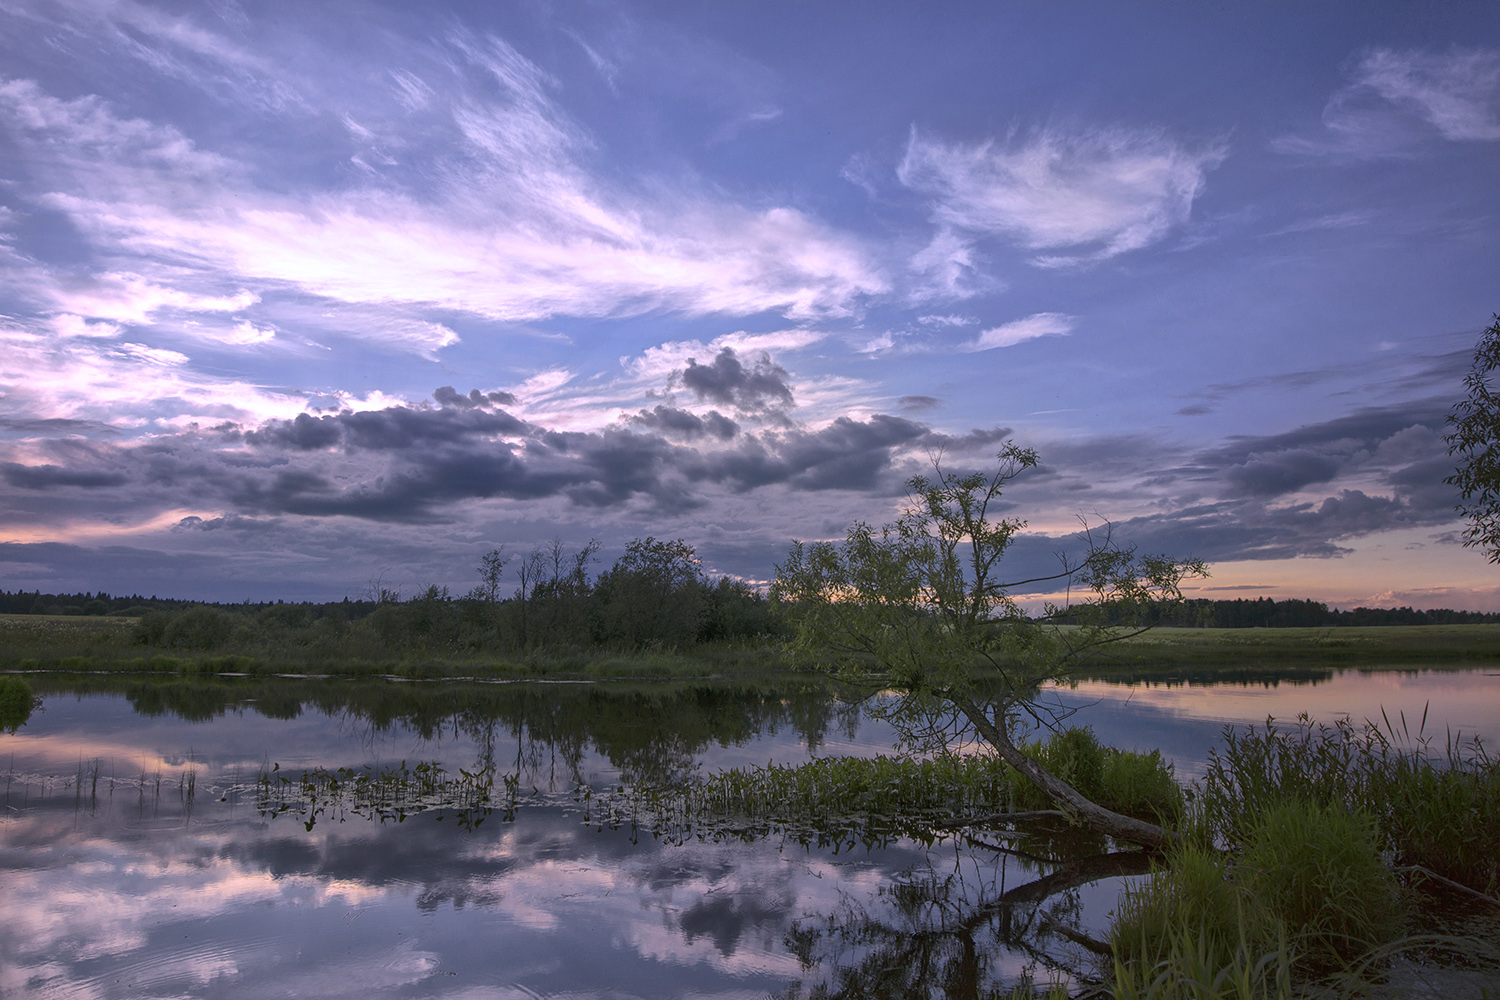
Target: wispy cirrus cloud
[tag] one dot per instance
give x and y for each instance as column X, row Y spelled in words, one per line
column 1396, row 99
column 1046, row 324
column 511, row 222
column 1094, row 194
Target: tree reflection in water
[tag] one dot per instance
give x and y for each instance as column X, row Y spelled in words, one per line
column 984, row 911
column 960, row 933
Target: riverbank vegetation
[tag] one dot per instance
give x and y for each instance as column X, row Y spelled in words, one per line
column 653, row 615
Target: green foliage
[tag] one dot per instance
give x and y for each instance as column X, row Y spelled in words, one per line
column 1134, row 784
column 1309, row 895
column 1188, row 917
column 1475, row 442
column 846, row 799
column 16, row 703
column 922, row 600
column 653, row 596
column 1318, row 869
column 1441, row 812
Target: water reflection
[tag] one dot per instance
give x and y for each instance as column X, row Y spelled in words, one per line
column 135, row 858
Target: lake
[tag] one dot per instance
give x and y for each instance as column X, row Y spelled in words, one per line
column 138, row 856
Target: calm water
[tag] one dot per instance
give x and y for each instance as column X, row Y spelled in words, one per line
column 134, row 861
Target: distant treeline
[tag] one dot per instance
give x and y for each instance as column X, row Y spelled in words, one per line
column 1266, row 612
column 655, row 597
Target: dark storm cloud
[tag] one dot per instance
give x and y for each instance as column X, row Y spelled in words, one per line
column 685, row 424
column 1402, row 444
column 233, row 522
column 44, row 477
column 1364, row 428
column 394, row 428
column 918, row 404
column 1281, row 472
column 448, row 396
column 847, row 454
column 1251, row 530
column 728, row 382
column 436, row 458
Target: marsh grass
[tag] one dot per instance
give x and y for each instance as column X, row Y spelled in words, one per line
column 1382, row 644
column 1318, row 870
column 1307, row 899
column 387, row 793
column 847, row 800
column 1436, row 809
column 1287, row 881
column 1135, row 784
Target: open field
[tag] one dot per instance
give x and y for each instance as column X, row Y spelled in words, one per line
column 1373, row 646
column 79, row 643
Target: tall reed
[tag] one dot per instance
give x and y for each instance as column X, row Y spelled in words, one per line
column 1436, row 809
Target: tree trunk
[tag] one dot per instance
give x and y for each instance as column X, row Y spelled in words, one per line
column 1080, row 809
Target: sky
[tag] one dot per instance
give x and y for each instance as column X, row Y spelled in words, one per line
column 301, row 300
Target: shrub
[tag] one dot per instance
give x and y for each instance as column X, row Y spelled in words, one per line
column 16, row 703
column 1192, row 895
column 198, row 628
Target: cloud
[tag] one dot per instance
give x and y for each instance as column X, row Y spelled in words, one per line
column 509, row 222
column 1045, row 324
column 1457, row 92
column 1397, row 99
column 1281, row 472
column 446, row 395
column 43, row 477
column 918, row 404
column 1098, row 193
column 950, row 267
column 758, row 388
column 681, row 423
column 952, row 319
column 130, row 298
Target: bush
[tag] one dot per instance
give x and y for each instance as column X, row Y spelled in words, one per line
column 1309, row 892
column 198, row 628
column 16, row 703
column 1440, row 812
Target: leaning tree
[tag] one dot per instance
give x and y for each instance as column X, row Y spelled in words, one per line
column 1475, row 442
column 923, row 603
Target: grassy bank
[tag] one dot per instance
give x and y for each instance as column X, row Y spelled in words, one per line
column 1166, row 648
column 76, row 644
column 79, row 643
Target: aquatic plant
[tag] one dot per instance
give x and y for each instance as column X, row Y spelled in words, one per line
column 1317, row 869
column 838, row 800
column 390, row 792
column 1435, row 811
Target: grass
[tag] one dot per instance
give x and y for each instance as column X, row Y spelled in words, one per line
column 1439, row 810
column 844, row 800
column 1365, row 645
column 1307, row 897
column 1289, row 883
column 74, row 642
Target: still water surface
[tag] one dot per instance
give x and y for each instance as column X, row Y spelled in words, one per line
column 134, row 861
